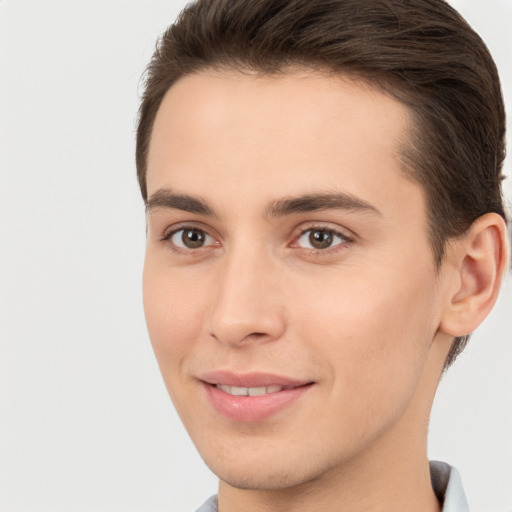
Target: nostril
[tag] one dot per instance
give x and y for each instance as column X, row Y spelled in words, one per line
column 236, row 321
column 239, row 338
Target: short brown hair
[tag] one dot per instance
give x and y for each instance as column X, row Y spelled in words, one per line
column 422, row 52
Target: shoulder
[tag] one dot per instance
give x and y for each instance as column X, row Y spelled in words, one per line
column 210, row 505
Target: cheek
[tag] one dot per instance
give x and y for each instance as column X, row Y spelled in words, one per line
column 173, row 310
column 374, row 330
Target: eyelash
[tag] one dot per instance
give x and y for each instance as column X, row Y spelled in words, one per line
column 345, row 240
column 182, row 250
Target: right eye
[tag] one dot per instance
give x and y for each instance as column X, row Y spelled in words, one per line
column 190, row 238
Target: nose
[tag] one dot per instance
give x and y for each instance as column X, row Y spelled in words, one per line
column 247, row 307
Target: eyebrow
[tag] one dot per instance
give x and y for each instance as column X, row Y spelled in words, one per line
column 165, row 198
column 315, row 202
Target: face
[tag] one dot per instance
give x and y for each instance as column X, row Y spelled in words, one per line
column 290, row 292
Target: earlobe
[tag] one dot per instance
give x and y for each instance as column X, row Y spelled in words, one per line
column 481, row 259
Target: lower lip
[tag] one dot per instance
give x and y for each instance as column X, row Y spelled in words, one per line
column 253, row 408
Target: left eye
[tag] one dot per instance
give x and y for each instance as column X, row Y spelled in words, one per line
column 191, row 238
column 320, row 239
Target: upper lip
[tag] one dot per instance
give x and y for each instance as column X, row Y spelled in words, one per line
column 251, row 379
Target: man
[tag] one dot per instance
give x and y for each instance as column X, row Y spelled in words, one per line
column 325, row 228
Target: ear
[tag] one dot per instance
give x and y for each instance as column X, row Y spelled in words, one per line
column 480, row 259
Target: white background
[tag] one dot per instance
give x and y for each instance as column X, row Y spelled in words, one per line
column 85, row 422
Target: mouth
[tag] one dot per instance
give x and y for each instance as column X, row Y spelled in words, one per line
column 253, row 391
column 252, row 397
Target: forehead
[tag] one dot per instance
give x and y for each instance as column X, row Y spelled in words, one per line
column 285, row 134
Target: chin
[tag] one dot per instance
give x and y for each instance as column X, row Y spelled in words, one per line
column 264, row 475
column 261, row 480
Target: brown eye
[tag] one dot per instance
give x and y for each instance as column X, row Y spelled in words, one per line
column 190, row 238
column 320, row 239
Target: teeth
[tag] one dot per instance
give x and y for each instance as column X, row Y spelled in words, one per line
column 240, row 391
column 257, row 391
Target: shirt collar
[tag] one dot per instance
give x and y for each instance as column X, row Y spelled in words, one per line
column 448, row 487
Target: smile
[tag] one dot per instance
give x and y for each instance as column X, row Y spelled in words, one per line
column 257, row 391
column 252, row 397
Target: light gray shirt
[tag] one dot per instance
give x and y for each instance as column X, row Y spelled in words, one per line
column 445, row 481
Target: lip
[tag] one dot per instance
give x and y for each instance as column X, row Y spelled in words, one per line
column 252, row 408
column 250, row 380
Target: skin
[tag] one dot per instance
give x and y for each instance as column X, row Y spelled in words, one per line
column 368, row 320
